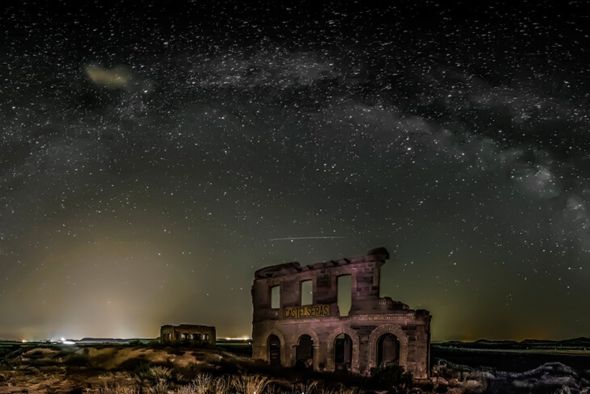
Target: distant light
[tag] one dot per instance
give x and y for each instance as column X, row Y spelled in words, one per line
column 66, row 342
column 244, row 338
column 23, row 341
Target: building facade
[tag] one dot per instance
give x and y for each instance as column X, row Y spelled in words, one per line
column 188, row 334
column 330, row 316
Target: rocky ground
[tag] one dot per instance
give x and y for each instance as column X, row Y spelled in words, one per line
column 551, row 377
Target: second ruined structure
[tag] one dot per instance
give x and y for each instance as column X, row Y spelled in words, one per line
column 188, row 334
column 297, row 320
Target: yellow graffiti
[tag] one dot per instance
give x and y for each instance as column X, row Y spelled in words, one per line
column 301, row 312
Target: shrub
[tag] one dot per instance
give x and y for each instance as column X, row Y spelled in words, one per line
column 222, row 385
column 117, row 389
column 391, row 377
column 342, row 390
column 77, row 360
column 160, row 373
column 309, row 387
column 205, row 384
column 136, row 364
column 202, row 384
column 159, row 388
column 177, row 351
column 250, row 384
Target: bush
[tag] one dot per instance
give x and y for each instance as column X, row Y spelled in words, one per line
column 159, row 373
column 136, row 365
column 117, row 389
column 77, row 360
column 250, row 384
column 205, row 384
column 391, row 377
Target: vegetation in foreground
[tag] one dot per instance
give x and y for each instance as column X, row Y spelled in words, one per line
column 178, row 370
column 161, row 381
column 170, row 369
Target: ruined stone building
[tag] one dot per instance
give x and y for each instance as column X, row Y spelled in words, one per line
column 297, row 320
column 188, row 334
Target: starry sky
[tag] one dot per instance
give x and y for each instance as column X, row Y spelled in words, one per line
column 153, row 156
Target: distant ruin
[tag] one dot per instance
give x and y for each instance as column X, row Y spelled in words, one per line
column 188, row 334
column 297, row 321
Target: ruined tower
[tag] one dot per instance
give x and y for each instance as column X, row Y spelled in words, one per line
column 297, row 321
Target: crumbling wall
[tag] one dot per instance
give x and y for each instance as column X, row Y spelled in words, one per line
column 188, row 333
column 373, row 322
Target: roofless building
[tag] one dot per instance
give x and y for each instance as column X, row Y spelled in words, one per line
column 297, row 321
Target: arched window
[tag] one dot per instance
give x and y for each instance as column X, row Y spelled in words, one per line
column 274, row 350
column 387, row 350
column 342, row 352
column 304, row 352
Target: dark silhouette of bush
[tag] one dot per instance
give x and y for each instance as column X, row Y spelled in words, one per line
column 427, row 387
column 391, row 377
column 77, row 360
column 135, row 364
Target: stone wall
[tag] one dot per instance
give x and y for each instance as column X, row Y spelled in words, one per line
column 375, row 326
column 188, row 333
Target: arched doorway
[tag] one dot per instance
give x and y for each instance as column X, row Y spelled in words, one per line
column 274, row 350
column 342, row 352
column 304, row 352
column 388, row 350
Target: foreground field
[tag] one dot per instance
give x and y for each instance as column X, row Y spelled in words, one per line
column 156, row 369
column 153, row 369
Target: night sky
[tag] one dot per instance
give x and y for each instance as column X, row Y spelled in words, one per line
column 153, row 157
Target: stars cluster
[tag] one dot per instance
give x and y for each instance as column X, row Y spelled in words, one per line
column 153, row 159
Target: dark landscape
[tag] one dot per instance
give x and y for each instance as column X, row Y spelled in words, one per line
column 294, row 197
column 134, row 366
column 515, row 356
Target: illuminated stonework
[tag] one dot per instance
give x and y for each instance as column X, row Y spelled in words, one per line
column 376, row 331
column 188, row 334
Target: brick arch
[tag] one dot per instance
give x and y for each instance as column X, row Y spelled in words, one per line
column 284, row 347
column 401, row 337
column 355, row 349
column 316, row 347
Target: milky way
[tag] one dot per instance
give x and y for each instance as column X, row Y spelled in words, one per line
column 152, row 158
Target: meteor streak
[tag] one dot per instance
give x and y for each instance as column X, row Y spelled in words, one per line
column 303, row 238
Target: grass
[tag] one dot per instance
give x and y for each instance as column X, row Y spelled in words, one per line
column 162, row 381
column 250, row 384
column 129, row 369
column 254, row 385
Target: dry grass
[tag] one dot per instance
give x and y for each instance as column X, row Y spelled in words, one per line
column 160, row 373
column 159, row 388
column 207, row 384
column 342, row 390
column 309, row 387
column 117, row 389
column 250, row 384
column 140, row 369
column 316, row 387
column 202, row 384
